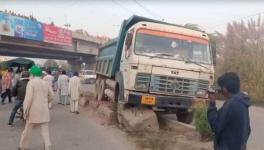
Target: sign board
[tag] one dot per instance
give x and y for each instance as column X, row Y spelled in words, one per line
column 33, row 30
column 27, row 29
column 57, row 35
column 20, row 27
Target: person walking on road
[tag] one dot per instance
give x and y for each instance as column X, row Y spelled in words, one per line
column 6, row 86
column 230, row 124
column 36, row 111
column 63, row 85
column 74, row 92
column 16, row 78
column 49, row 79
column 19, row 90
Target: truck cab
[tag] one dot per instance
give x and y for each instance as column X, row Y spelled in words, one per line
column 165, row 66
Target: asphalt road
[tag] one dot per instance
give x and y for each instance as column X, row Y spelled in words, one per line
column 257, row 127
column 68, row 132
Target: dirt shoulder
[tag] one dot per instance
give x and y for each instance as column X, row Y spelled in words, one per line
column 171, row 136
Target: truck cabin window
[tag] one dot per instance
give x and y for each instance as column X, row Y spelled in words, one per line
column 174, row 46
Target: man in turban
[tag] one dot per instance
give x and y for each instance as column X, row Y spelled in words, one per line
column 36, row 110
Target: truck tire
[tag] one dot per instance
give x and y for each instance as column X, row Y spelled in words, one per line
column 184, row 116
column 101, row 89
column 96, row 88
column 120, row 82
column 119, row 111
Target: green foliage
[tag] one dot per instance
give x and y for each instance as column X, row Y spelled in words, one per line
column 201, row 122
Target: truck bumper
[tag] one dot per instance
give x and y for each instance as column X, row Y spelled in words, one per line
column 166, row 102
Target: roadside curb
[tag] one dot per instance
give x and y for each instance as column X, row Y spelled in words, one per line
column 179, row 123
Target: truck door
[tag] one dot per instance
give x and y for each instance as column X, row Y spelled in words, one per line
column 125, row 58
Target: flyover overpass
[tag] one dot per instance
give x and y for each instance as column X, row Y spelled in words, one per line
column 83, row 49
column 24, row 37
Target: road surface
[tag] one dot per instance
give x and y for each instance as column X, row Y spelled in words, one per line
column 257, row 127
column 68, row 132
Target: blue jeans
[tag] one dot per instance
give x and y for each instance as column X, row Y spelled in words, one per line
column 18, row 104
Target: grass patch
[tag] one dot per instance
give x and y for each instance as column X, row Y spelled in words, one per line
column 201, row 122
column 155, row 141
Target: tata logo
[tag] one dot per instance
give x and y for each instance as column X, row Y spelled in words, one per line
column 175, row 72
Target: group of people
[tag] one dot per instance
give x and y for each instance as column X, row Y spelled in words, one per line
column 19, row 15
column 66, row 87
column 34, row 93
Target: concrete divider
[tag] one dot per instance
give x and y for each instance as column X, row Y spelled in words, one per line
column 138, row 119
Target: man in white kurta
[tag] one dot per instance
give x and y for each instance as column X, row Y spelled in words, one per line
column 49, row 79
column 63, row 85
column 74, row 92
column 36, row 110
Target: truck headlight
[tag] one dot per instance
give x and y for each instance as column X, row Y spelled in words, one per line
column 142, row 81
column 201, row 93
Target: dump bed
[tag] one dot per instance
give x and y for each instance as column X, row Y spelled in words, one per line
column 108, row 60
column 105, row 60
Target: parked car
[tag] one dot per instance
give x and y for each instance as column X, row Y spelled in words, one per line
column 88, row 76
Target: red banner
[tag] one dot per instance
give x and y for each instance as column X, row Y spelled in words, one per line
column 56, row 35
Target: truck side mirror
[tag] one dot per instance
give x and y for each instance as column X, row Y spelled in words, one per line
column 213, row 48
column 129, row 39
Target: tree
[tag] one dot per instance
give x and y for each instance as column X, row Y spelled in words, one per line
column 51, row 64
column 65, row 66
column 242, row 51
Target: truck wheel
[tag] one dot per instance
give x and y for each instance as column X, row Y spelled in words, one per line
column 101, row 89
column 184, row 116
column 96, row 88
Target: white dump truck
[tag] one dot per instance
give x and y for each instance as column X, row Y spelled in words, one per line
column 163, row 66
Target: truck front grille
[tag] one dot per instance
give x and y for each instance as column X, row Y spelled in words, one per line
column 176, row 85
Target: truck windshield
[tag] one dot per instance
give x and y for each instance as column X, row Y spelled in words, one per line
column 174, row 46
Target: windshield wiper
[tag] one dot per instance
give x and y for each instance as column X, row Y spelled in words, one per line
column 194, row 62
column 162, row 54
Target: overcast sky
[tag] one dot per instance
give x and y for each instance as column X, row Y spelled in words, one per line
column 104, row 17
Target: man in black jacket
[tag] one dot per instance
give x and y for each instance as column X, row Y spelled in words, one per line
column 231, row 123
column 19, row 91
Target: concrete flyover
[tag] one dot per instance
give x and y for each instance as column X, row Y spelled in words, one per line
column 83, row 49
